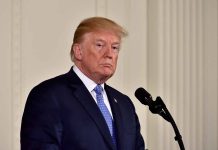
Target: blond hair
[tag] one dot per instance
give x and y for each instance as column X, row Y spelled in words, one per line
column 94, row 24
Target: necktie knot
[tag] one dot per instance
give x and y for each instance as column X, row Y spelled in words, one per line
column 98, row 89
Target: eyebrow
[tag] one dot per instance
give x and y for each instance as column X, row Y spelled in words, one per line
column 101, row 40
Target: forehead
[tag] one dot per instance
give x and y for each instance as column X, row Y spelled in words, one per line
column 103, row 35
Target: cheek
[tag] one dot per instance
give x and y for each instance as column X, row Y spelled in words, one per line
column 92, row 61
column 115, row 59
column 114, row 66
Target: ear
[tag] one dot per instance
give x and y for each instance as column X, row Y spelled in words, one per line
column 77, row 51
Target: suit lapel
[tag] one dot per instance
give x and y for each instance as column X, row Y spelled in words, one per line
column 118, row 121
column 86, row 100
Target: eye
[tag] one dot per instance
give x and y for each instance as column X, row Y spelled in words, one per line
column 116, row 48
column 99, row 45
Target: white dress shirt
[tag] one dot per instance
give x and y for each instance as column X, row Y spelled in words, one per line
column 90, row 85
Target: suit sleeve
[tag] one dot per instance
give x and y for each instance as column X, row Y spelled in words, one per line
column 139, row 141
column 41, row 126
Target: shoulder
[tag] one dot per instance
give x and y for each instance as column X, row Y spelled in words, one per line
column 119, row 96
column 114, row 91
column 46, row 95
column 54, row 87
column 51, row 84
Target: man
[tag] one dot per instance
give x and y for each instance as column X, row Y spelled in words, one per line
column 78, row 110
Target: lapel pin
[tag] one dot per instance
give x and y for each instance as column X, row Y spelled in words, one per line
column 115, row 100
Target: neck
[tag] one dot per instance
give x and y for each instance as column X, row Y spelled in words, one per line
column 94, row 77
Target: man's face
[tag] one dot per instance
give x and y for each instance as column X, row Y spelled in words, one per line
column 97, row 55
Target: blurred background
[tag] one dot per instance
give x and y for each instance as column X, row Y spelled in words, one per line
column 171, row 51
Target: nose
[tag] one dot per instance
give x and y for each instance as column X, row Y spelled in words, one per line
column 109, row 51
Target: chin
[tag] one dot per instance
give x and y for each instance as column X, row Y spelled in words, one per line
column 108, row 73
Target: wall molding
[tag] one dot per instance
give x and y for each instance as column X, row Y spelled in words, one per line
column 16, row 73
column 176, row 38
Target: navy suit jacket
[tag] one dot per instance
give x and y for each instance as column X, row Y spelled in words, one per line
column 60, row 114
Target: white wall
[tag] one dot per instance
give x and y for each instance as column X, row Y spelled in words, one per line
column 5, row 76
column 171, row 51
column 182, row 68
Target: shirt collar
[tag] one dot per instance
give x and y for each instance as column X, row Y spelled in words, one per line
column 90, row 85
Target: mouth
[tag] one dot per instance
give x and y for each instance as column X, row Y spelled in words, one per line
column 107, row 65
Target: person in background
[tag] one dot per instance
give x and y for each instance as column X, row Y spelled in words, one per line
column 78, row 110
